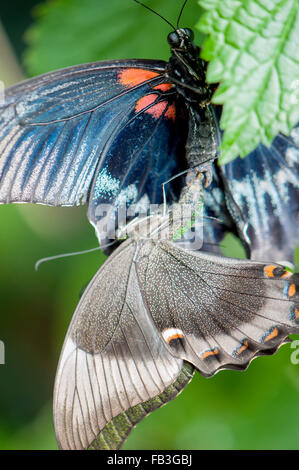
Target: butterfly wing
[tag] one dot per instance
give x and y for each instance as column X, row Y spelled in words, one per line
column 217, row 312
column 262, row 193
column 151, row 307
column 75, row 135
column 117, row 430
column 144, row 153
column 114, row 367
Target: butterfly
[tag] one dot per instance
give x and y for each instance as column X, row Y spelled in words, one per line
column 107, row 134
column 152, row 313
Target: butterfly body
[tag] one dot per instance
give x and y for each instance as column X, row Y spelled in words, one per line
column 187, row 72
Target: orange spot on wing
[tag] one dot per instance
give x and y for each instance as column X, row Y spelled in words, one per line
column 163, row 87
column 174, row 336
column 271, row 335
column 292, row 290
column 269, row 270
column 133, row 77
column 296, row 312
column 170, row 113
column 243, row 347
column 286, row 275
column 211, row 352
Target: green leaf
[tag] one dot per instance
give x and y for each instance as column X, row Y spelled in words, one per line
column 69, row 32
column 253, row 49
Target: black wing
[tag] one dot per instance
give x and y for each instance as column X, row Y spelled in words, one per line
column 100, row 133
column 262, row 194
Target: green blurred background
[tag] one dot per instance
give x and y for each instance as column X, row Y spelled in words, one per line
column 256, row 409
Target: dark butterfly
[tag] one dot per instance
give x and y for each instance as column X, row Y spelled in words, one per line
column 152, row 313
column 107, row 133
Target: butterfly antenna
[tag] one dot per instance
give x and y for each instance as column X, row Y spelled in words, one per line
column 123, row 230
column 65, row 255
column 182, row 9
column 155, row 12
column 163, row 188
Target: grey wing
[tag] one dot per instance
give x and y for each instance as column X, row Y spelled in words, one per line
column 217, row 312
column 112, row 362
column 118, row 429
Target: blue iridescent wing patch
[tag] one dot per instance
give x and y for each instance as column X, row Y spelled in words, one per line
column 57, row 133
column 144, row 152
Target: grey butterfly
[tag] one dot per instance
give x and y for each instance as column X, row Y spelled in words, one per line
column 152, row 313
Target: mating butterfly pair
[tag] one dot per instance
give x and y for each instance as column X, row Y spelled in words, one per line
column 113, row 132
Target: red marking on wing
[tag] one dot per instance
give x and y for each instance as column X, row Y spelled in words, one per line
column 270, row 272
column 144, row 102
column 133, row 77
column 163, row 87
column 171, row 111
column 157, row 109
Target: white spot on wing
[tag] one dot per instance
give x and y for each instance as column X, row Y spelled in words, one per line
column 127, row 195
column 105, row 184
column 171, row 333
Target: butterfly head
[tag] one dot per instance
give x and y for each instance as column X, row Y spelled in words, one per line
column 182, row 40
column 185, row 68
